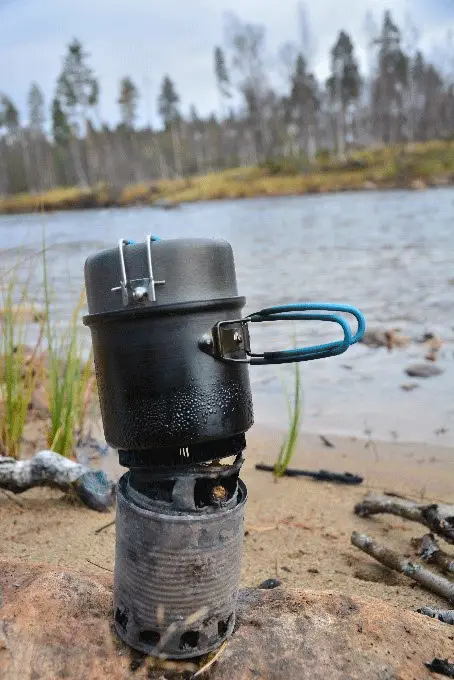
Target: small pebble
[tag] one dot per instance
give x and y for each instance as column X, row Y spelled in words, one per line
column 409, row 387
column 269, row 584
column 423, row 370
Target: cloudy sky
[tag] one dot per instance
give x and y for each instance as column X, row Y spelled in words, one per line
column 147, row 38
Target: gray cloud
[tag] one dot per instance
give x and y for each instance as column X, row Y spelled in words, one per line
column 146, row 38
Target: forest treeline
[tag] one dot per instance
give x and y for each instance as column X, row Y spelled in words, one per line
column 402, row 98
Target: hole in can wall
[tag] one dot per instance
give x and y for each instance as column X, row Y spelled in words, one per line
column 149, row 637
column 121, row 617
column 189, row 640
column 223, row 626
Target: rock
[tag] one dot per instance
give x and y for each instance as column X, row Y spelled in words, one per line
column 423, row 370
column 56, row 624
column 368, row 184
column 418, row 185
column 270, row 584
column 441, row 667
column 385, row 338
column 165, row 204
column 409, row 387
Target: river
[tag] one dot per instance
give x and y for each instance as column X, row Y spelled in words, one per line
column 389, row 253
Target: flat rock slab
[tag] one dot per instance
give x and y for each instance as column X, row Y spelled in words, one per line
column 56, row 624
column 423, row 370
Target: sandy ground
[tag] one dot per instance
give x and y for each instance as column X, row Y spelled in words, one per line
column 296, row 529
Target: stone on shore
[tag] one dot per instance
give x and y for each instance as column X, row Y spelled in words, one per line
column 423, row 370
column 57, row 624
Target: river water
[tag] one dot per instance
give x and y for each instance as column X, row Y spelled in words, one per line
column 389, row 253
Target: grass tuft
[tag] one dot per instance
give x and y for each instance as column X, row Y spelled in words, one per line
column 19, row 373
column 69, row 379
column 295, row 410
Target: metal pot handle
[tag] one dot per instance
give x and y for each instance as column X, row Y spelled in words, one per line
column 230, row 342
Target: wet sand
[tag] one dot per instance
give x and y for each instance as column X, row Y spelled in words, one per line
column 297, row 530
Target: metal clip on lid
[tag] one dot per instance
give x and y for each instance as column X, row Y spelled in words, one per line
column 137, row 290
column 229, row 340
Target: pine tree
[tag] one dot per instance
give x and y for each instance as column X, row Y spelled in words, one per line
column 77, row 88
column 343, row 85
column 36, row 115
column 390, row 83
column 247, row 42
column 127, row 101
column 78, row 93
column 167, row 103
column 222, row 76
column 60, row 126
column 303, row 103
column 345, row 70
column 9, row 115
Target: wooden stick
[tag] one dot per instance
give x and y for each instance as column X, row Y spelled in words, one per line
column 443, row 615
column 430, row 551
column 320, row 475
column 105, row 526
column 48, row 468
column 12, row 499
column 438, row 517
column 213, row 660
column 434, row 582
column 99, row 566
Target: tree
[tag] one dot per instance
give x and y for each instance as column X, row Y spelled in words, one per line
column 41, row 174
column 222, row 78
column 9, row 115
column 36, row 115
column 60, row 127
column 167, row 103
column 127, row 101
column 78, row 93
column 343, row 85
column 307, row 43
column 77, row 88
column 390, row 83
column 303, row 104
column 247, row 42
column 9, row 121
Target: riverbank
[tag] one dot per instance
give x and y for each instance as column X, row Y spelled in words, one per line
column 296, row 529
column 415, row 166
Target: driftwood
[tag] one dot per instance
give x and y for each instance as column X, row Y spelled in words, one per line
column 438, row 517
column 443, row 615
column 48, row 468
column 320, row 475
column 430, row 551
column 441, row 667
column 434, row 582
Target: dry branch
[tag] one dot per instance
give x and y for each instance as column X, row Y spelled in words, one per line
column 320, row 475
column 434, row 582
column 430, row 551
column 51, row 469
column 438, row 517
column 443, row 615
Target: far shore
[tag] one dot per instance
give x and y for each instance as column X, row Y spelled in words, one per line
column 415, row 166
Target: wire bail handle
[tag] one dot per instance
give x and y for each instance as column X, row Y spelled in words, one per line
column 137, row 290
column 230, row 341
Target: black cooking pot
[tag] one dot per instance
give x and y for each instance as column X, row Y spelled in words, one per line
column 166, row 388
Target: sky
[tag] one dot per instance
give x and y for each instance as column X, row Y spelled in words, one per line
column 147, row 38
